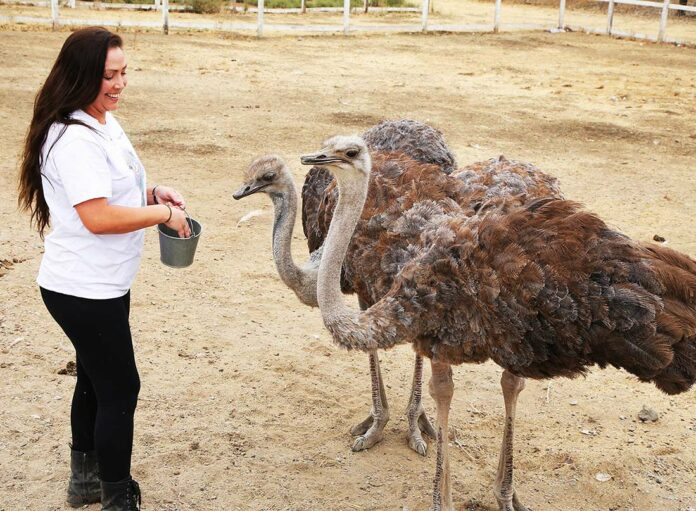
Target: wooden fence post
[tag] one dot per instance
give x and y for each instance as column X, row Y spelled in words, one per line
column 157, row 5
column 496, row 18
column 424, row 15
column 259, row 19
column 561, row 15
column 366, row 6
column 610, row 16
column 663, row 22
column 303, row 6
column 165, row 16
column 346, row 16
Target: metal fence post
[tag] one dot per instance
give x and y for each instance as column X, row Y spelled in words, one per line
column 496, row 18
column 259, row 19
column 424, row 15
column 561, row 15
column 165, row 16
column 663, row 22
column 346, row 16
column 54, row 14
column 610, row 16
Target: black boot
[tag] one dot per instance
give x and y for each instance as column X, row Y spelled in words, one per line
column 83, row 487
column 120, row 496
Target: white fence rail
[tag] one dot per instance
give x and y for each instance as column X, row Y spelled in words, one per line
column 55, row 20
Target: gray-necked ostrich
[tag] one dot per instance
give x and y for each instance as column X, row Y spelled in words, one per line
column 544, row 289
column 270, row 175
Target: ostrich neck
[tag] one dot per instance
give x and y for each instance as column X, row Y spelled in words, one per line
column 351, row 199
column 297, row 279
column 382, row 325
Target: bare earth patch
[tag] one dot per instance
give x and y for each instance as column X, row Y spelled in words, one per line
column 245, row 403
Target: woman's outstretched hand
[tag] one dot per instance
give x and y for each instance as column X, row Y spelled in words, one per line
column 168, row 195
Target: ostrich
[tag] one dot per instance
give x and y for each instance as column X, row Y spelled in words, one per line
column 543, row 288
column 479, row 182
column 270, row 175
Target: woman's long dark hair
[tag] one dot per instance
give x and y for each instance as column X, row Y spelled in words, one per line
column 73, row 83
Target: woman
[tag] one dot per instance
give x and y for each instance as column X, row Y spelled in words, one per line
column 79, row 173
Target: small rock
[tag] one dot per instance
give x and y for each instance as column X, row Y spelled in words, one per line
column 602, row 477
column 194, row 446
column 573, row 403
column 648, row 414
column 70, row 369
column 659, row 238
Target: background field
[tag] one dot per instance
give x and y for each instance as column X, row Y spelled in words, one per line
column 245, row 403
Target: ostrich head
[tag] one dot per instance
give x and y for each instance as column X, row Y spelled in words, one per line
column 343, row 156
column 268, row 174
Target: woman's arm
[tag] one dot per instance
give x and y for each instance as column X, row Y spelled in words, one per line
column 99, row 217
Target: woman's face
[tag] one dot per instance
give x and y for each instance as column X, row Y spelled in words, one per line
column 113, row 83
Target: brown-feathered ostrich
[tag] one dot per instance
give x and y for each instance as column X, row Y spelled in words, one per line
column 270, row 175
column 543, row 288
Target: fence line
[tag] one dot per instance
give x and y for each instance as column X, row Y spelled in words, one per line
column 665, row 6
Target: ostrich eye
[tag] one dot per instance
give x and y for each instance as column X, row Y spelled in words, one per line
column 352, row 153
column 268, row 176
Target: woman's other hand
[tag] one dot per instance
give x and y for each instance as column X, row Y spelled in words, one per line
column 178, row 221
column 168, row 195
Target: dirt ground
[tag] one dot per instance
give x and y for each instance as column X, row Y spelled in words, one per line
column 245, row 402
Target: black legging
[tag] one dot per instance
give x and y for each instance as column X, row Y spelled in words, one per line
column 106, row 392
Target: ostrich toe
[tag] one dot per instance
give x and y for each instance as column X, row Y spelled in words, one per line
column 419, row 424
column 369, row 432
column 511, row 505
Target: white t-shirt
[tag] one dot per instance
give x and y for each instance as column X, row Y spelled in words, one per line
column 87, row 164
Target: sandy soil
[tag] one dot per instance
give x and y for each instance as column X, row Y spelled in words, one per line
column 245, row 403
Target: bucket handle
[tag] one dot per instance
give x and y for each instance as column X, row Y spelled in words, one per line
column 189, row 221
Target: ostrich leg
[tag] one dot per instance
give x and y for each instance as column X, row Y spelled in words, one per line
column 418, row 421
column 504, row 490
column 442, row 390
column 370, row 431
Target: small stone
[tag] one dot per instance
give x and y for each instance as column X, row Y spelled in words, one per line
column 602, row 477
column 70, row 369
column 648, row 415
column 573, row 403
column 659, row 238
column 194, row 446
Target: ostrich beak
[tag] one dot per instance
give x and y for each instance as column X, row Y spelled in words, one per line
column 249, row 189
column 320, row 158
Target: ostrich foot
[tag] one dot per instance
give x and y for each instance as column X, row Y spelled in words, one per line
column 369, row 432
column 419, row 424
column 510, row 504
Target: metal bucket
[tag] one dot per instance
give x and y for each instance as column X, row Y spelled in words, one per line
column 178, row 252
